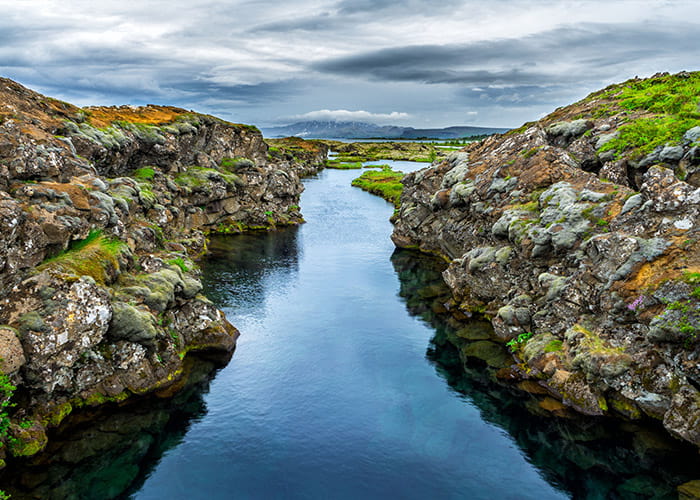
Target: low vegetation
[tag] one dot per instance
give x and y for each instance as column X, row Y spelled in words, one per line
column 350, row 152
column 341, row 165
column 659, row 111
column 385, row 183
column 96, row 256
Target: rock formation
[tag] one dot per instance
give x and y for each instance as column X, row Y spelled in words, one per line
column 102, row 211
column 579, row 237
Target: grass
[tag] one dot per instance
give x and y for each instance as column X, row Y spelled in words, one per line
column 372, row 151
column 667, row 108
column 340, row 165
column 94, row 256
column 385, row 183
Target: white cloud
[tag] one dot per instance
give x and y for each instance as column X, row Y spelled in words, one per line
column 344, row 115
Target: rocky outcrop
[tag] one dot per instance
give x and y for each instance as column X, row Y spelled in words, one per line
column 103, row 212
column 579, row 237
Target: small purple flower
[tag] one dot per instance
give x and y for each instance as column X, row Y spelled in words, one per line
column 636, row 303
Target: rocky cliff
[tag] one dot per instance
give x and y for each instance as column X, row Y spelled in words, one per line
column 102, row 211
column 579, row 237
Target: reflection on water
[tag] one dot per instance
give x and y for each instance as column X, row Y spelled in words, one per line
column 102, row 454
column 236, row 266
column 590, row 458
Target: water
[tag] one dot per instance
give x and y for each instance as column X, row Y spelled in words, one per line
column 402, row 165
column 330, row 394
column 345, row 384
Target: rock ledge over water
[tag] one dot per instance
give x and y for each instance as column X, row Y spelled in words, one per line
column 579, row 235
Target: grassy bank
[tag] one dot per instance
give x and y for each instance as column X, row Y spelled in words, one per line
column 385, row 183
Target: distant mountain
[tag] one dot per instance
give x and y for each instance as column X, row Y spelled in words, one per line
column 361, row 130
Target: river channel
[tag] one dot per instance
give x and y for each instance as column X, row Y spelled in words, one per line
column 336, row 390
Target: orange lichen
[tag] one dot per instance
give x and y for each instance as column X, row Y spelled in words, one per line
column 102, row 117
column 77, row 194
column 669, row 266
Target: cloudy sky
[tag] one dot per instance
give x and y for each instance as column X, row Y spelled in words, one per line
column 417, row 62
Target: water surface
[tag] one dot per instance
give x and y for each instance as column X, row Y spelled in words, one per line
column 330, row 393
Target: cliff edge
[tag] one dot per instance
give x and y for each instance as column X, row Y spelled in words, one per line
column 579, row 237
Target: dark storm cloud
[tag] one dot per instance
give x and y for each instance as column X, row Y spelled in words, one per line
column 528, row 60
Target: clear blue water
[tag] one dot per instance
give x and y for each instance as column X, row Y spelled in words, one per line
column 330, row 393
column 402, row 165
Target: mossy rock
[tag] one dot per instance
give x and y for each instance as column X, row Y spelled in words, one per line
column 689, row 490
column 132, row 324
column 537, row 346
column 27, row 442
column 476, row 330
column 162, row 287
column 57, row 414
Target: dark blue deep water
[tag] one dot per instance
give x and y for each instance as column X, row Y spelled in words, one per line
column 344, row 385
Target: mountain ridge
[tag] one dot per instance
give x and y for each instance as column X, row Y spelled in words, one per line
column 326, row 129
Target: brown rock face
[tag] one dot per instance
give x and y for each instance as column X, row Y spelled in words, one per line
column 594, row 252
column 11, row 354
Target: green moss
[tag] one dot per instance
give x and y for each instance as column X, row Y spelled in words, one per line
column 531, row 206
column 26, row 448
column 602, row 403
column 530, row 152
column 197, row 177
column 97, row 398
column 626, row 407
column 236, row 163
column 691, row 278
column 145, row 173
column 96, row 256
column 670, row 107
column 58, row 414
column 594, row 344
column 179, row 262
column 553, row 346
column 385, row 183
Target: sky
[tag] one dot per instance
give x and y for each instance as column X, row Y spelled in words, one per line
column 414, row 63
